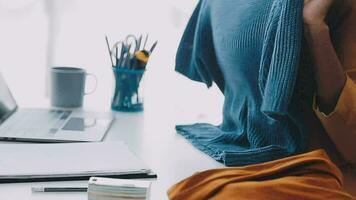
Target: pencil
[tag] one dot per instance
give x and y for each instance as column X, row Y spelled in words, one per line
column 144, row 44
column 153, row 47
column 59, row 189
column 107, row 43
column 117, row 59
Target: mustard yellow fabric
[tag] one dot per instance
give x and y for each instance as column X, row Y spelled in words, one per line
column 340, row 124
column 310, row 176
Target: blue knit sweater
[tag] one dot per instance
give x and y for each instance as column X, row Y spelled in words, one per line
column 251, row 50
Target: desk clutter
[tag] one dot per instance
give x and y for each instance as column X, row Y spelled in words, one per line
column 120, row 189
column 129, row 59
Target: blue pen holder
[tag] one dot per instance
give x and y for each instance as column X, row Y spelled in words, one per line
column 128, row 90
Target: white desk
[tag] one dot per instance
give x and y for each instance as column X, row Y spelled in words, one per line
column 153, row 140
column 150, row 135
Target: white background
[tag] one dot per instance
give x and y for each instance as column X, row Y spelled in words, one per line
column 37, row 34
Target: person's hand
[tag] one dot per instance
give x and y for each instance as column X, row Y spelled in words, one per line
column 315, row 12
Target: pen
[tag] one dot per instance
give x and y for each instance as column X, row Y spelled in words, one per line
column 59, row 189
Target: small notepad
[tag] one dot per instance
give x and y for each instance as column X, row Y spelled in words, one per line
column 110, row 189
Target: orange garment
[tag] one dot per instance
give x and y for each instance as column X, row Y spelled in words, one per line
column 338, row 129
column 340, row 124
column 305, row 176
column 336, row 132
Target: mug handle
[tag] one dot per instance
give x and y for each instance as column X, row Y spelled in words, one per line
column 96, row 83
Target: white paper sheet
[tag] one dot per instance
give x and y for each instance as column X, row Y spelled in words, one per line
column 67, row 159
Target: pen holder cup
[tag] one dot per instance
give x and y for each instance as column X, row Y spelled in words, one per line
column 128, row 93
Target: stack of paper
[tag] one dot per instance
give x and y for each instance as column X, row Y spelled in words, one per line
column 32, row 162
column 117, row 189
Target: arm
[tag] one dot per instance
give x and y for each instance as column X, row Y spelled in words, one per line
column 336, row 90
column 329, row 75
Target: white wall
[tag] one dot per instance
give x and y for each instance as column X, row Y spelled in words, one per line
column 78, row 28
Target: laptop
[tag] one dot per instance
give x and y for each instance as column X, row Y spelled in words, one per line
column 49, row 125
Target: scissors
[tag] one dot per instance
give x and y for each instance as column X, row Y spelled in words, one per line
column 134, row 42
column 124, row 52
column 121, row 53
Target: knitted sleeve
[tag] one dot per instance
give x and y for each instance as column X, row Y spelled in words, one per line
column 280, row 56
column 186, row 61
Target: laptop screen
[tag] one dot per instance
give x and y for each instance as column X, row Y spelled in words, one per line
column 7, row 102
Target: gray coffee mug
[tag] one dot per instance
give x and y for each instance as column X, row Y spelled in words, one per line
column 68, row 86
